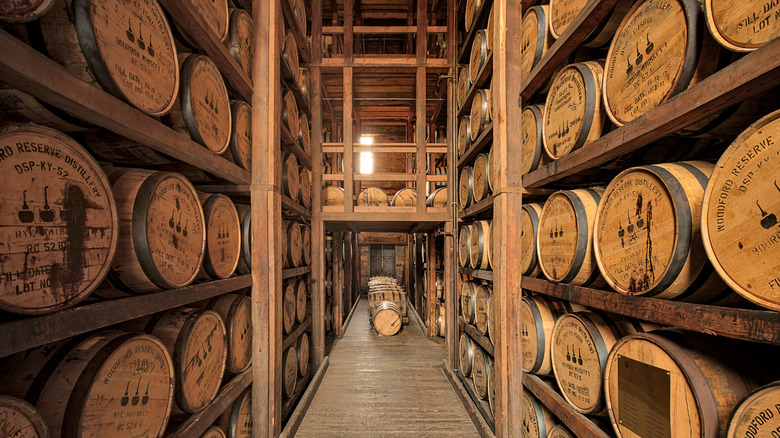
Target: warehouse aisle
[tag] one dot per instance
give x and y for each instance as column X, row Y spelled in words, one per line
column 385, row 387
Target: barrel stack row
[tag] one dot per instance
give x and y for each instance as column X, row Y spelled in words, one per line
column 376, row 197
column 296, row 308
column 149, row 369
column 387, row 305
column 475, row 245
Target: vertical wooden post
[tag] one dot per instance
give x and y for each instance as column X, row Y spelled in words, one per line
column 419, row 131
column 507, row 205
column 348, row 274
column 430, row 287
column 338, row 282
column 317, row 228
column 418, row 273
column 408, row 264
column 450, row 261
column 356, row 261
column 349, row 171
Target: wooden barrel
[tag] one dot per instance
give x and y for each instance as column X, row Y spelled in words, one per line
column 677, row 369
column 290, row 112
column 299, row 10
column 302, row 352
column 289, row 372
column 373, row 197
column 537, row 419
column 464, row 135
column 240, row 145
column 304, row 134
column 573, row 113
column 386, row 317
column 215, row 14
column 441, row 320
column 651, row 59
column 406, row 197
column 290, row 56
column 58, row 221
column 464, row 246
column 291, row 176
column 489, row 30
column 647, row 237
column 466, row 188
column 305, row 84
column 129, row 49
column 69, row 384
column 481, row 366
column 21, row 419
column 288, row 306
column 237, row 420
column 538, row 316
column 564, row 240
column 480, row 172
column 479, row 245
column 301, row 295
column 468, row 298
column 529, row 221
column 472, row 9
column 236, row 312
column 479, row 50
column 329, row 281
column 214, row 432
column 166, row 238
column 492, row 393
column 464, row 84
column 328, row 253
column 493, row 168
column 559, row 431
column 19, row 107
column 466, row 354
column 481, row 307
column 223, row 235
column 332, row 196
column 581, row 342
column 304, row 189
column 240, row 38
column 532, row 149
column 739, row 214
column 535, row 39
column 437, row 198
column 196, row 340
column 742, row 26
column 480, row 114
column 20, row 11
column 204, row 110
column 492, row 321
column 439, row 285
column 245, row 261
column 306, row 245
column 756, row 415
column 564, row 12
column 442, row 171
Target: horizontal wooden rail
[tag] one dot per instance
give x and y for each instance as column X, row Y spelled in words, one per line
column 381, row 30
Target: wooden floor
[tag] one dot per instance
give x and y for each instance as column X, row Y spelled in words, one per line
column 385, row 387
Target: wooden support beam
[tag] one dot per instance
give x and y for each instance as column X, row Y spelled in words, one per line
column 348, row 274
column 430, row 287
column 338, row 282
column 318, row 230
column 349, row 170
column 418, row 275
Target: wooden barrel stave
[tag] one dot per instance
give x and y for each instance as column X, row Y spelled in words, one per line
column 236, row 313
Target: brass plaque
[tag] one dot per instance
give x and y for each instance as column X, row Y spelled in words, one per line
column 643, row 398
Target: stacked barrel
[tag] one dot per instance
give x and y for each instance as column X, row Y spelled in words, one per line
column 387, row 305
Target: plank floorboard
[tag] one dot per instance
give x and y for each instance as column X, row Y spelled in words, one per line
column 385, row 387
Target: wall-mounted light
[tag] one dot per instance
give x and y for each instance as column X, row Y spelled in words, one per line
column 366, row 158
column 366, row 140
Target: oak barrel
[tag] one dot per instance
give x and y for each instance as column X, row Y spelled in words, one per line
column 529, row 222
column 237, row 420
column 537, row 419
column 162, row 235
column 216, row 15
column 559, row 431
column 441, row 170
column 757, row 414
column 472, row 9
column 480, row 245
column 479, row 51
column 492, row 393
column 564, row 241
column 464, row 84
column 493, row 168
column 304, row 189
column 245, row 261
column 291, row 176
column 482, row 307
column 304, row 134
column 288, row 306
column 373, row 196
column 680, row 382
column 647, row 237
column 71, row 382
column 290, row 56
column 214, row 432
column 306, row 245
column 240, row 38
column 20, row 419
column 223, row 235
column 481, row 366
column 441, row 320
column 742, row 26
column 195, row 339
column 464, row 135
column 20, row 11
column 581, row 342
column 539, row 314
column 302, row 351
column 328, row 253
column 466, row 188
column 466, row 354
column 386, row 317
column 19, row 107
column 332, row 196
column 573, row 113
column 437, row 198
column 480, row 114
column 289, row 372
column 532, row 148
column 739, row 223
column 58, row 221
column 406, row 197
column 305, row 85
column 290, row 112
column 299, row 10
column 240, row 145
column 464, row 246
column 468, row 298
column 236, row 312
column 492, row 322
column 126, row 47
column 652, row 57
column 535, row 39
column 564, row 12
column 301, row 294
column 481, row 171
